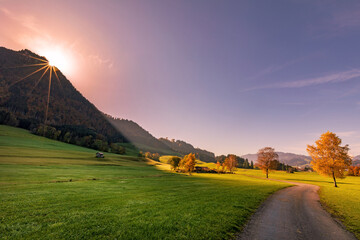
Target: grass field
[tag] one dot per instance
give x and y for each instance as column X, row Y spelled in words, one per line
column 343, row 202
column 53, row 190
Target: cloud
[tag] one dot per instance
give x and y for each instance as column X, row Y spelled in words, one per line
column 338, row 22
column 101, row 61
column 276, row 68
column 347, row 133
column 347, row 19
column 330, row 78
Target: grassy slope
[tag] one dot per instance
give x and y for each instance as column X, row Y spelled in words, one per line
column 343, row 202
column 54, row 190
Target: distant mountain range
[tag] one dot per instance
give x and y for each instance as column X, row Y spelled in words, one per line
column 287, row 158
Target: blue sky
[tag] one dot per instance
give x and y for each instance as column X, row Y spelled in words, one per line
column 227, row 76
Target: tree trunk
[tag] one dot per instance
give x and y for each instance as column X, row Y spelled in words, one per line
column 334, row 179
column 267, row 173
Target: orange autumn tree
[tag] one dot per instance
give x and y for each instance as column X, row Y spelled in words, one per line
column 218, row 165
column 267, row 159
column 230, row 163
column 188, row 163
column 328, row 157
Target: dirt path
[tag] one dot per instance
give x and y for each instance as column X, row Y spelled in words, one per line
column 294, row 213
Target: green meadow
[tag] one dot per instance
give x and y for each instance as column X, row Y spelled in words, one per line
column 53, row 190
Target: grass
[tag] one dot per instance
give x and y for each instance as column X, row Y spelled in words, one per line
column 343, row 202
column 53, row 190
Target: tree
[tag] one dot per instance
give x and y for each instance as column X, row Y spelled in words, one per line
column 218, row 165
column 246, row 164
column 328, row 157
column 117, row 148
column 230, row 162
column 188, row 163
column 252, row 165
column 267, row 158
column 352, row 171
column 174, row 162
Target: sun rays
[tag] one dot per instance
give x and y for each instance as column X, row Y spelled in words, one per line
column 44, row 66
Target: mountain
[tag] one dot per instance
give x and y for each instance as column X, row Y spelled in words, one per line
column 186, row 148
column 141, row 138
column 22, row 100
column 356, row 160
column 287, row 158
column 22, row 104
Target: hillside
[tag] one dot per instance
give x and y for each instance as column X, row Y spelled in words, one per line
column 141, row 138
column 23, row 100
column 186, row 148
column 287, row 158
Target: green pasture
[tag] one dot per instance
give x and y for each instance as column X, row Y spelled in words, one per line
column 53, row 190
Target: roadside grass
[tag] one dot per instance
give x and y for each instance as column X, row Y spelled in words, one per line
column 53, row 190
column 342, row 202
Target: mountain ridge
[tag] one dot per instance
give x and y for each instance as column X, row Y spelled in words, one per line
column 186, row 148
column 291, row 159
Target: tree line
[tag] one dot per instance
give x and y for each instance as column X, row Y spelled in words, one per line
column 240, row 162
column 74, row 134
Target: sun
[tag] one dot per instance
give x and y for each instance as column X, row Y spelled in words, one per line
column 59, row 59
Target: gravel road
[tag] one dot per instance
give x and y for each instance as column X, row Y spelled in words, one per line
column 294, row 213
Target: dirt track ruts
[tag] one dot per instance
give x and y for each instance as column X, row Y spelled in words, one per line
column 294, row 213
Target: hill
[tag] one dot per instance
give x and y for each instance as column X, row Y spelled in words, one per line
column 25, row 98
column 186, row 148
column 287, row 158
column 356, row 160
column 141, row 138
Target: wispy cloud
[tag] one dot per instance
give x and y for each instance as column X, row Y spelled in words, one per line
column 347, row 133
column 101, row 61
column 329, row 78
column 278, row 67
column 347, row 19
column 338, row 22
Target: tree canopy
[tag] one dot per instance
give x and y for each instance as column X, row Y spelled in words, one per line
column 188, row 163
column 267, row 160
column 328, row 157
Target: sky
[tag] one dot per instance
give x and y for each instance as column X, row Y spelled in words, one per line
column 226, row 76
